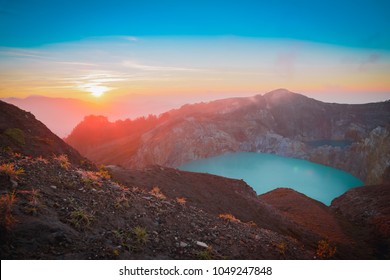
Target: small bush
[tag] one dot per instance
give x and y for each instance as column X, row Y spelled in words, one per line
column 63, row 161
column 6, row 202
column 34, row 204
column 281, row 247
column 41, row 159
column 206, row 254
column 10, row 170
column 16, row 134
column 104, row 173
column 141, row 235
column 80, row 218
column 122, row 201
column 181, row 200
column 325, row 250
column 157, row 193
column 251, row 224
column 229, row 218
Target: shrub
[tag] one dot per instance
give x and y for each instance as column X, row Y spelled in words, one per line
column 6, row 202
column 141, row 235
column 251, row 224
column 325, row 250
column 90, row 178
column 10, row 170
column 122, row 201
column 104, row 173
column 157, row 193
column 181, row 200
column 229, row 218
column 281, row 247
column 206, row 254
column 63, row 161
column 80, row 218
column 16, row 134
column 34, row 203
column 41, row 159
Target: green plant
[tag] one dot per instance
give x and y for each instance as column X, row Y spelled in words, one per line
column 157, row 193
column 206, row 254
column 16, row 134
column 80, row 218
column 141, row 235
column 10, row 170
column 63, row 161
column 6, row 202
column 325, row 250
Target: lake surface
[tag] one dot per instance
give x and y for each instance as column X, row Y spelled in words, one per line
column 265, row 172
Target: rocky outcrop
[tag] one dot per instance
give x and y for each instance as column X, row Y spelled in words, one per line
column 350, row 137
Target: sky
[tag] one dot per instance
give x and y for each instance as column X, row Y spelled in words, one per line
column 335, row 51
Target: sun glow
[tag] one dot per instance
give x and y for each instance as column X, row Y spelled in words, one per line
column 96, row 90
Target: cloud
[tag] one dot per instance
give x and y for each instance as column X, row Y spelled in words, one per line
column 130, row 38
column 131, row 64
column 16, row 52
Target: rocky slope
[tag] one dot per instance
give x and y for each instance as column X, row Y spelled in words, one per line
column 21, row 132
column 354, row 138
column 368, row 208
column 69, row 213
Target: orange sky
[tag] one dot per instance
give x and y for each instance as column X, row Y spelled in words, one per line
column 216, row 66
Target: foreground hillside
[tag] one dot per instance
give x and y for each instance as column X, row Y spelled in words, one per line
column 52, row 210
column 55, row 211
column 57, row 205
column 354, row 138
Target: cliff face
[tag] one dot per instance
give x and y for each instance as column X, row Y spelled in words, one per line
column 351, row 137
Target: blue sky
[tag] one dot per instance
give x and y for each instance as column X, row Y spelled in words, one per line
column 337, row 51
column 354, row 23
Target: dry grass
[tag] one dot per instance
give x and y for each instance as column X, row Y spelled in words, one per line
column 325, row 250
column 63, row 160
column 181, row 200
column 6, row 202
column 80, row 218
column 10, row 170
column 157, row 193
column 229, row 218
column 141, row 235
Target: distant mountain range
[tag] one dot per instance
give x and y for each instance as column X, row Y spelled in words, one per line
column 355, row 138
column 61, row 115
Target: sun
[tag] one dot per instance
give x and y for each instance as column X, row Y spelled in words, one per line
column 97, row 91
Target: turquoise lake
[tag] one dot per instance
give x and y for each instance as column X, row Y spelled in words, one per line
column 265, row 172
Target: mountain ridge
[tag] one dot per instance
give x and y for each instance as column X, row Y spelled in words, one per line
column 279, row 122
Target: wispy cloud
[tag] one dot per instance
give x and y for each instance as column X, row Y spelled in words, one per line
column 131, row 64
column 16, row 52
